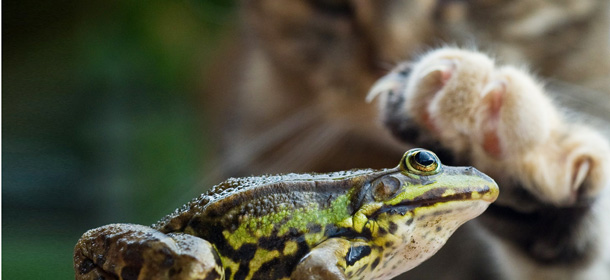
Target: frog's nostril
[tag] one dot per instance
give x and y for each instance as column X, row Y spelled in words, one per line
column 475, row 172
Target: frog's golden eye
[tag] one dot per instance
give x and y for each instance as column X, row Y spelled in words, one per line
column 420, row 161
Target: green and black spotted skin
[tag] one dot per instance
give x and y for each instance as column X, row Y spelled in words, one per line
column 359, row 224
column 379, row 223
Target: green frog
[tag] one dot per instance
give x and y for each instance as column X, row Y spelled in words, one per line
column 358, row 224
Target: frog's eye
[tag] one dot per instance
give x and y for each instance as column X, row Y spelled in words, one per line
column 421, row 162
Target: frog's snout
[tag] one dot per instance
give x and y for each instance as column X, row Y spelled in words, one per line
column 481, row 186
column 490, row 185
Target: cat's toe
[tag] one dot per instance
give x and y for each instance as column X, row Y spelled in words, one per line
column 518, row 116
column 445, row 91
column 570, row 168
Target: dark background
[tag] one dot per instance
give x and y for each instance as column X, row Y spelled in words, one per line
column 104, row 120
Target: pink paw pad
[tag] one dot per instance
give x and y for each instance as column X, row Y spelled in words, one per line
column 493, row 95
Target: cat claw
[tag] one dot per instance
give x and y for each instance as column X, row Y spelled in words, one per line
column 495, row 88
column 444, row 67
column 387, row 83
column 391, row 82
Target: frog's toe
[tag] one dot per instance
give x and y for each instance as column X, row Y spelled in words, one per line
column 197, row 258
column 124, row 251
column 87, row 270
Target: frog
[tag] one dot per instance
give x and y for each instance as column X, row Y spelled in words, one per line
column 356, row 224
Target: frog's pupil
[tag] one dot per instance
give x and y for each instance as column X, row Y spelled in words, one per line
column 424, row 158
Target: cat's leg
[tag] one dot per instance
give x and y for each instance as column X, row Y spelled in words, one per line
column 499, row 119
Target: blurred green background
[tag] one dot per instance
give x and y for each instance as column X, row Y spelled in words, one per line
column 103, row 119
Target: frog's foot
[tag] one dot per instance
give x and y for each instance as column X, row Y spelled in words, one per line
column 335, row 259
column 124, row 251
column 499, row 119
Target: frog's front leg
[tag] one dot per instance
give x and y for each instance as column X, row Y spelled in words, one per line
column 124, row 251
column 334, row 259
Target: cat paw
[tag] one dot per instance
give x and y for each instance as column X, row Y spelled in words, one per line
column 499, row 119
column 463, row 97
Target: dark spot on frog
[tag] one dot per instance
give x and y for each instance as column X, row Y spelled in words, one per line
column 86, row 266
column 333, row 231
column 168, row 261
column 274, row 269
column 409, row 222
column 382, row 231
column 101, row 259
column 133, row 254
column 362, row 269
column 272, row 242
column 389, row 244
column 228, row 272
column 213, row 276
column 375, row 263
column 270, row 270
column 246, row 252
column 212, row 233
column 356, row 253
column 366, row 233
column 438, row 228
column 130, row 272
column 173, row 271
column 242, row 272
column 393, row 227
column 443, row 212
column 282, row 267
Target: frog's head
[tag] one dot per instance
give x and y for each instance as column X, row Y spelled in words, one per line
column 415, row 207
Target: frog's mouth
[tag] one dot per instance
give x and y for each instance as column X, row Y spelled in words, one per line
column 549, row 235
column 431, row 198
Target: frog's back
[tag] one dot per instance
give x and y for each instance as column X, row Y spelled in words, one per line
column 258, row 196
column 267, row 220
